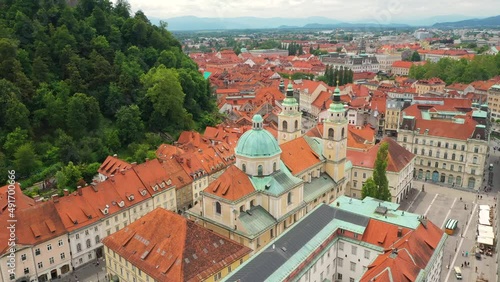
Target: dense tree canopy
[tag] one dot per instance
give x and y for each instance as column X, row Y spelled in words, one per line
column 481, row 67
column 80, row 83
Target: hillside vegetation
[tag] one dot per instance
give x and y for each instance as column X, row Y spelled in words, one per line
column 80, row 83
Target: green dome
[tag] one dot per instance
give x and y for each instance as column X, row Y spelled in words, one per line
column 257, row 142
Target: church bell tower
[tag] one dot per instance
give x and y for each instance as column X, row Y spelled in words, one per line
column 290, row 118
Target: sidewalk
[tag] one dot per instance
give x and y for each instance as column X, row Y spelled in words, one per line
column 87, row 273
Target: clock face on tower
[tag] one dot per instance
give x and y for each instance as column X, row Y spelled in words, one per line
column 329, row 145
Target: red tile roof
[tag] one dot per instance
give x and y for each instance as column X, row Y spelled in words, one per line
column 76, row 212
column 298, row 155
column 112, row 165
column 21, row 201
column 402, row 64
column 169, row 247
column 383, row 234
column 35, row 224
column 398, row 156
column 407, row 257
column 232, row 185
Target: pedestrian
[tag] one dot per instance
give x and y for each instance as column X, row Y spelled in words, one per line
column 463, row 253
column 476, row 269
column 460, row 198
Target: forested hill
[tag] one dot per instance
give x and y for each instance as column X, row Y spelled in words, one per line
column 80, row 83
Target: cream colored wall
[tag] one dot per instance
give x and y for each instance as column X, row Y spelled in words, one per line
column 18, row 268
column 166, row 199
column 452, row 167
column 252, row 165
column 55, row 253
column 117, row 265
column 225, row 271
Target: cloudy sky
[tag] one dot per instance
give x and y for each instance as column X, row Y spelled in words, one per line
column 354, row 10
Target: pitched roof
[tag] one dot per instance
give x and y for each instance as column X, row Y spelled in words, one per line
column 409, row 256
column 112, row 165
column 21, row 201
column 169, row 247
column 298, row 155
column 36, row 224
column 233, row 184
column 398, row 156
column 402, row 64
column 76, row 212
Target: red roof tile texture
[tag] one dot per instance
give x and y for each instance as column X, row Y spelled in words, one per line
column 298, row 155
column 169, row 247
column 232, row 185
column 398, row 156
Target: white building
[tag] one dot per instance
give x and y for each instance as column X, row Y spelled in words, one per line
column 350, row 240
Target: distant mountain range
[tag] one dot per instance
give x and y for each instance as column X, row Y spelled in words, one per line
column 187, row 23
column 486, row 22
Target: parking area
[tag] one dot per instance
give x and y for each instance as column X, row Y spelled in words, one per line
column 441, row 203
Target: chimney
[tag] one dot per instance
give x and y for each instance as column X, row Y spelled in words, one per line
column 134, row 163
column 94, row 186
column 66, row 192
column 115, row 155
column 122, row 171
column 400, row 232
column 55, row 198
column 79, row 190
column 338, row 204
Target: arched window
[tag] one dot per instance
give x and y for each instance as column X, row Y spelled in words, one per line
column 252, row 203
column 421, row 162
column 285, row 125
column 342, row 133
column 474, row 160
column 330, row 133
column 453, row 156
column 78, row 247
column 242, row 208
column 445, row 156
column 422, row 151
column 289, row 198
column 218, row 208
column 439, row 143
column 88, row 243
column 97, row 239
column 274, row 166
column 296, row 124
column 259, row 170
column 438, row 154
column 244, row 167
column 430, row 153
column 458, row 180
column 461, row 158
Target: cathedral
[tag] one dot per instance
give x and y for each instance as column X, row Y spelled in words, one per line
column 274, row 183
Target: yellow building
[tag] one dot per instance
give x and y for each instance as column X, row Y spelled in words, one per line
column 451, row 143
column 494, row 101
column 427, row 85
column 272, row 186
column 165, row 246
column 400, row 168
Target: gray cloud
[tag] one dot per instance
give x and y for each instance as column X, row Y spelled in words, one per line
column 354, row 10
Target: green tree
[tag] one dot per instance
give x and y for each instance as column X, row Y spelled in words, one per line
column 377, row 186
column 129, row 123
column 165, row 94
column 68, row 176
column 26, row 161
column 415, row 57
column 14, row 140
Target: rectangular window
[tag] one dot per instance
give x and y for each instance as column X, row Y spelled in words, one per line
column 473, row 171
column 60, row 243
column 353, row 266
column 341, row 262
column 63, row 256
column 341, row 246
column 23, row 257
column 49, row 247
column 40, row 265
column 51, row 260
column 354, row 250
column 77, row 236
column 26, row 270
column 37, row 251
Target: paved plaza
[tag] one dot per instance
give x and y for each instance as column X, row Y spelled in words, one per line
column 441, row 203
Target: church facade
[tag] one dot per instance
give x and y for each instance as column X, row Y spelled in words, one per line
column 276, row 182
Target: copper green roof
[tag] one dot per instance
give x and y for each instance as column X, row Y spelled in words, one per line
column 257, row 142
